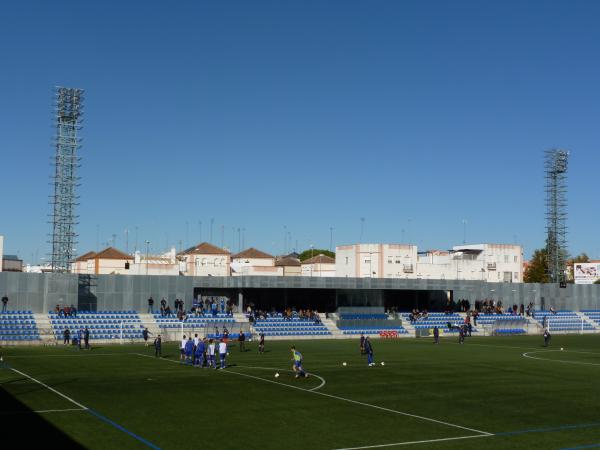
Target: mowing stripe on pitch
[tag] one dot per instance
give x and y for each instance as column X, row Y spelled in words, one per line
column 549, row 429
column 582, row 447
column 49, row 388
column 123, row 429
column 85, row 408
column 415, row 442
column 356, row 402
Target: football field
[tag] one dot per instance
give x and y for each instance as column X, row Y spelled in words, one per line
column 500, row 393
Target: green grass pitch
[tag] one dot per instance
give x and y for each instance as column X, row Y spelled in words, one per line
column 498, row 393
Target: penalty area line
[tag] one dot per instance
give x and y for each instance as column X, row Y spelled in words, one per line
column 85, row 408
column 428, row 441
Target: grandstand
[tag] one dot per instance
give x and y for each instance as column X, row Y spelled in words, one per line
column 277, row 325
column 563, row 322
column 103, row 325
column 368, row 321
column 440, row 320
column 18, row 326
column 24, row 327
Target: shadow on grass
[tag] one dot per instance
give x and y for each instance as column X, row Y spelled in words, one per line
column 29, row 427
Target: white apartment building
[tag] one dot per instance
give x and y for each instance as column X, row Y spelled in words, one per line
column 485, row 262
column 205, row 260
column 376, row 261
column 254, row 262
column 319, row 266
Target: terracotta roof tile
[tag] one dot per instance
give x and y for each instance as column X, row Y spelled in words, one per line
column 112, row 253
column 320, row 259
column 205, row 249
column 86, row 256
column 252, row 253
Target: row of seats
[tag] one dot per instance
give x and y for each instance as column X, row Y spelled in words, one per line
column 296, row 333
column 352, row 331
column 510, row 331
column 18, row 326
column 362, row 316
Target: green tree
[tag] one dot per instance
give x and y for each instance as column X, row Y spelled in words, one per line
column 537, row 270
column 597, row 281
column 307, row 254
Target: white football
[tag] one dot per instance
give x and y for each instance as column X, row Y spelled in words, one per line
column 382, row 363
column 344, row 363
column 276, row 375
column 561, row 349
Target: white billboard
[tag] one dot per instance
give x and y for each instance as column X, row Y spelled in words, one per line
column 586, row 273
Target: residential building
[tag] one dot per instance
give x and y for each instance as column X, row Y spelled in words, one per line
column 205, row 260
column 254, row 262
column 290, row 265
column 319, row 266
column 487, row 262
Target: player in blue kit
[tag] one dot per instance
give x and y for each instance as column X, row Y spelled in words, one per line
column 199, row 354
column 369, row 351
column 189, row 349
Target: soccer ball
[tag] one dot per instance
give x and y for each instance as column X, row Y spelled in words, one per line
column 561, row 349
column 276, row 374
column 344, row 363
column 382, row 363
column 227, row 353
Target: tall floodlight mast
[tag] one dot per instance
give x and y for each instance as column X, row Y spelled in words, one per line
column 556, row 213
column 68, row 103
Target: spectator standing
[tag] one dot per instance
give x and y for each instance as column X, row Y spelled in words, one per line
column 369, row 352
column 261, row 343
column 158, row 347
column 436, row 335
column 242, row 341
column 145, row 334
column 4, row 303
column 66, row 336
column 86, row 338
column 150, row 305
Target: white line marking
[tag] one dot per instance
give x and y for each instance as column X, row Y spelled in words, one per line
column 428, row 419
column 58, row 410
column 48, row 387
column 323, row 382
column 526, row 355
column 417, row 442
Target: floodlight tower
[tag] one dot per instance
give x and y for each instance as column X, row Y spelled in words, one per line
column 68, row 103
column 556, row 163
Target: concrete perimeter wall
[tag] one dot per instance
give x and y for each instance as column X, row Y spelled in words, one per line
column 41, row 292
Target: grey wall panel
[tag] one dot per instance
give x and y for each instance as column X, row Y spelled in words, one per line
column 41, row 292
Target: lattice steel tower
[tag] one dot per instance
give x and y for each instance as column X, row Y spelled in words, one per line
column 556, row 213
column 68, row 104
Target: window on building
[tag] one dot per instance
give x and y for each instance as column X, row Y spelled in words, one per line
column 346, row 260
column 367, row 261
column 505, row 258
column 516, row 276
column 390, row 261
column 397, row 261
column 516, row 258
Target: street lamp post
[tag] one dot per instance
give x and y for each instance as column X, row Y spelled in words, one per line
column 311, row 257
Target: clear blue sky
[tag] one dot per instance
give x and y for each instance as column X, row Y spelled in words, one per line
column 308, row 114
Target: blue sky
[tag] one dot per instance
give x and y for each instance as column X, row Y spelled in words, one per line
column 415, row 115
